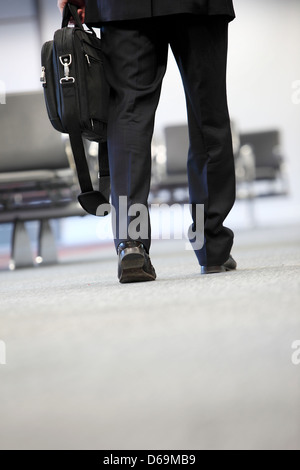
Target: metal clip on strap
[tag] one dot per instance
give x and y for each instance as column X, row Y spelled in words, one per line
column 66, row 61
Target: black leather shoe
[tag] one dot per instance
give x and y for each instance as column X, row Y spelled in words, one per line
column 230, row 265
column 134, row 263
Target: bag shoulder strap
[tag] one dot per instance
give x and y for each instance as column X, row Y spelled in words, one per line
column 89, row 199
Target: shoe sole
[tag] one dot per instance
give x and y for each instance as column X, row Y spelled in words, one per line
column 215, row 269
column 132, row 263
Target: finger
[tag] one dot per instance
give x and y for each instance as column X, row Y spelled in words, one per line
column 81, row 13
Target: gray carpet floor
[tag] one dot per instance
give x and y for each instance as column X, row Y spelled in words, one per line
column 186, row 362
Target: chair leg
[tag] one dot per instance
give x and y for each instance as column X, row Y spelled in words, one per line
column 21, row 253
column 47, row 252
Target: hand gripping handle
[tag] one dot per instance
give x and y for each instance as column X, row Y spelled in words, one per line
column 71, row 11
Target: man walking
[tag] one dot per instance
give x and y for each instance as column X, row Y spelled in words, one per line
column 136, row 35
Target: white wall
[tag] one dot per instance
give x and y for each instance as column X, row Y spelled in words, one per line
column 263, row 65
column 19, row 45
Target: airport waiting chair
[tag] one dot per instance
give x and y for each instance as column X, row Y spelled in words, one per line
column 257, row 159
column 170, row 165
column 37, row 176
column 270, row 175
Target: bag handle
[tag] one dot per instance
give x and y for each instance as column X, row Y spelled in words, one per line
column 71, row 10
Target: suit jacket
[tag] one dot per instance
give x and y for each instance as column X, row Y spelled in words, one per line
column 100, row 11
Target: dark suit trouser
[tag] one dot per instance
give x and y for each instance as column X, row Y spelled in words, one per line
column 136, row 59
